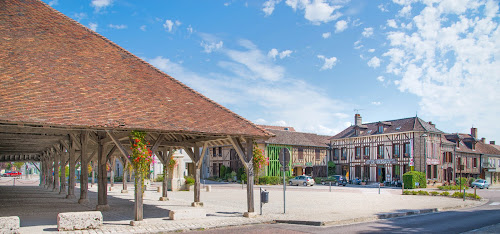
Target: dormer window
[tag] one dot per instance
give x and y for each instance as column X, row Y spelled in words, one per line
column 380, row 129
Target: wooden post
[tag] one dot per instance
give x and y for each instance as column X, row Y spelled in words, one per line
column 92, row 180
column 102, row 180
column 57, row 157
column 63, row 171
column 196, row 176
column 138, row 209
column 165, row 158
column 51, row 171
column 125, row 172
column 72, row 162
column 250, row 175
column 112, row 176
column 84, row 176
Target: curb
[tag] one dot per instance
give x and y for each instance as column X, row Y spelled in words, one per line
column 378, row 216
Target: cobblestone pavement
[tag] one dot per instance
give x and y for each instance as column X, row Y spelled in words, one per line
column 38, row 207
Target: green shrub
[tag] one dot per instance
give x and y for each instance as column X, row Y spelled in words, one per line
column 244, row 177
column 457, row 194
column 472, row 196
column 189, row 180
column 434, row 193
column 463, row 181
column 407, row 192
column 422, row 192
column 410, row 178
column 414, row 192
column 240, row 172
column 222, row 172
column 273, row 180
column 452, row 187
column 159, row 178
column 118, row 179
column 445, row 193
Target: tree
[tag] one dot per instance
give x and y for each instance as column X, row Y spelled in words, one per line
column 18, row 165
column 331, row 168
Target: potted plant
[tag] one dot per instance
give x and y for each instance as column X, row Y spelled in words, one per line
column 363, row 182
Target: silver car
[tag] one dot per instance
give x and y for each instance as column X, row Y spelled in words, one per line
column 303, row 180
column 480, row 184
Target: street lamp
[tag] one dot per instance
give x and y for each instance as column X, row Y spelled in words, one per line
column 424, row 136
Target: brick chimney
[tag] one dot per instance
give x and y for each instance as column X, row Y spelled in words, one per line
column 483, row 140
column 357, row 120
column 433, row 125
column 473, row 132
column 492, row 142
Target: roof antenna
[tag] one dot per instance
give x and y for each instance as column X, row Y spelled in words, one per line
column 357, row 110
column 416, row 113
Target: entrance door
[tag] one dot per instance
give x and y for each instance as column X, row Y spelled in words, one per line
column 309, row 171
column 297, row 171
column 380, row 173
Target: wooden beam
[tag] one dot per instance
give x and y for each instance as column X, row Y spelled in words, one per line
column 157, row 143
column 118, row 144
column 239, row 150
column 190, row 153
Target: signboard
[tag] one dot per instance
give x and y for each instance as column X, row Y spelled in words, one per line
column 284, row 156
column 432, row 161
column 381, row 161
column 411, row 162
column 309, row 164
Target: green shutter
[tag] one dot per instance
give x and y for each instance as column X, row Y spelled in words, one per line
column 274, row 167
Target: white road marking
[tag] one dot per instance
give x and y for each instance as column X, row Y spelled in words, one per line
column 495, row 204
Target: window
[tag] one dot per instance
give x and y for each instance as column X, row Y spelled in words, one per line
column 336, row 154
column 301, row 153
column 380, row 151
column 474, row 162
column 214, row 152
column 220, row 151
column 395, row 151
column 358, row 152
column 344, row 153
column 398, row 128
column 407, row 150
column 380, row 129
column 366, row 152
column 317, row 151
column 468, row 162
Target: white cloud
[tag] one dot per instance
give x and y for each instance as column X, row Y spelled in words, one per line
column 53, row 2
column 371, row 50
column 317, row 11
column 381, row 78
column 376, row 103
column 79, row 16
column 93, row 26
column 383, row 8
column 392, row 23
column 358, row 45
column 449, row 58
column 252, row 63
column 100, row 4
column 209, row 47
column 190, row 29
column 169, row 24
column 340, row 26
column 273, row 53
column 269, row 6
column 329, row 62
column 367, row 32
column 117, row 26
column 374, row 62
column 143, row 28
column 312, row 109
column 405, row 11
column 326, row 35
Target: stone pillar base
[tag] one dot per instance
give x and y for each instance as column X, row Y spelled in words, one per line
column 209, row 188
column 62, row 191
column 124, row 191
column 197, row 204
column 83, row 201
column 138, row 223
column 102, row 207
column 250, row 214
column 163, row 198
column 55, row 190
column 71, row 196
column 110, row 188
column 158, row 189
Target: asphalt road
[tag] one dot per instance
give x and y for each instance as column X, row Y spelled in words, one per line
column 457, row 221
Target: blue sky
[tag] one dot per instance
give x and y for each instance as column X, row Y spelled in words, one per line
column 311, row 63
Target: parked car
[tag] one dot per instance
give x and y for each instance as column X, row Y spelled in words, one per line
column 341, row 180
column 480, row 184
column 12, row 174
column 325, row 181
column 304, row 180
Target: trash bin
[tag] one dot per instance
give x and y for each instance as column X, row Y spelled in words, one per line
column 264, row 196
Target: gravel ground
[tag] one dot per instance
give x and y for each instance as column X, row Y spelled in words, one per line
column 38, row 207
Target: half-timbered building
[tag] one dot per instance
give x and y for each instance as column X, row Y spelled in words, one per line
column 385, row 150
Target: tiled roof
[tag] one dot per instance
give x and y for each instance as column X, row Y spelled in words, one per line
column 284, row 128
column 297, row 138
column 391, row 126
column 466, row 141
column 54, row 71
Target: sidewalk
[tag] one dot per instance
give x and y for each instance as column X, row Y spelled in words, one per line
column 225, row 204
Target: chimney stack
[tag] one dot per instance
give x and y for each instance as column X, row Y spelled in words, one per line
column 357, row 120
column 473, row 132
column 433, row 125
column 483, row 140
column 492, row 142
